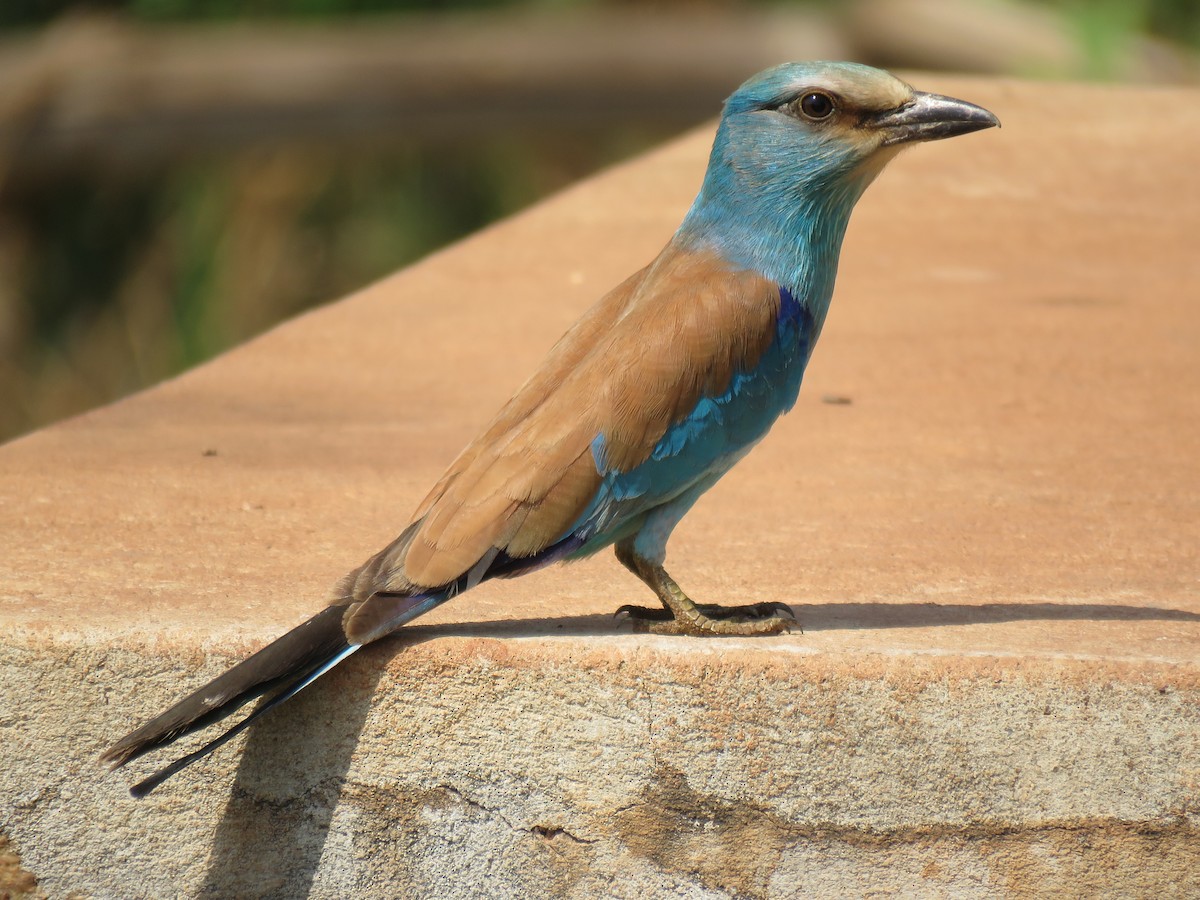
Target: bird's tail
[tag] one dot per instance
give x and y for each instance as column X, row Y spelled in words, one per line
column 282, row 669
column 291, row 663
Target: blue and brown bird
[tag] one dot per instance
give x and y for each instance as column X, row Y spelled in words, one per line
column 653, row 395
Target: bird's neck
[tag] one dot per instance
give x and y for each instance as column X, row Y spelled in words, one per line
column 798, row 252
column 787, row 227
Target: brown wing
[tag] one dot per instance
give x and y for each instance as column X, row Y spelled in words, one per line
column 634, row 365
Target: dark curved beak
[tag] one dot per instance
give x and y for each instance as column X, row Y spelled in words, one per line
column 930, row 117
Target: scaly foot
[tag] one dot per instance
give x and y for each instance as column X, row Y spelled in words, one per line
column 680, row 615
column 711, row 619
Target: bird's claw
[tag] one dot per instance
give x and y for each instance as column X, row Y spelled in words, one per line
column 749, row 612
column 643, row 613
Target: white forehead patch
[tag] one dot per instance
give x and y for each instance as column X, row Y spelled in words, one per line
column 880, row 91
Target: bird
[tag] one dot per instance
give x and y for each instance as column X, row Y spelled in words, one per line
column 645, row 402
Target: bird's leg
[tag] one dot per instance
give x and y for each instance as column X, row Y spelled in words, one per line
column 680, row 615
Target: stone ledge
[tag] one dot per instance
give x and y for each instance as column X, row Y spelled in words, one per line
column 993, row 549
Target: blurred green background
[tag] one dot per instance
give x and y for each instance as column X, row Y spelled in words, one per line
column 178, row 175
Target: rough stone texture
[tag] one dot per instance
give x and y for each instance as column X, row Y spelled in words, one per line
column 993, row 549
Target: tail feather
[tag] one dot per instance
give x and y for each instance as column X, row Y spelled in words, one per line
column 146, row 785
column 288, row 665
column 285, row 666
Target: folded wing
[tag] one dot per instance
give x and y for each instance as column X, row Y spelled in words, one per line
column 636, row 364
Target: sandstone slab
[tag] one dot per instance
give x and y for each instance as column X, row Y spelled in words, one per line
column 993, row 548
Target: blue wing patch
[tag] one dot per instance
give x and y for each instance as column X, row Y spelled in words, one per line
column 710, row 439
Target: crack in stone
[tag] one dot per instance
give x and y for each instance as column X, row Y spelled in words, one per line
column 545, row 832
column 549, row 832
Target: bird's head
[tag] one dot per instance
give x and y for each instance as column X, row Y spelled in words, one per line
column 861, row 108
column 826, row 122
column 798, row 144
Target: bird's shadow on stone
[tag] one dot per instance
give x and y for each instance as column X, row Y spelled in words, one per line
column 270, row 841
column 854, row 616
column 816, row 617
column 290, row 777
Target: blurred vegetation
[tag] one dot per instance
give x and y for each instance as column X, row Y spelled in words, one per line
column 1105, row 27
column 38, row 12
column 1176, row 20
column 114, row 279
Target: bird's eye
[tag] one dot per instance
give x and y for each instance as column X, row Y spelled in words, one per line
column 815, row 105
